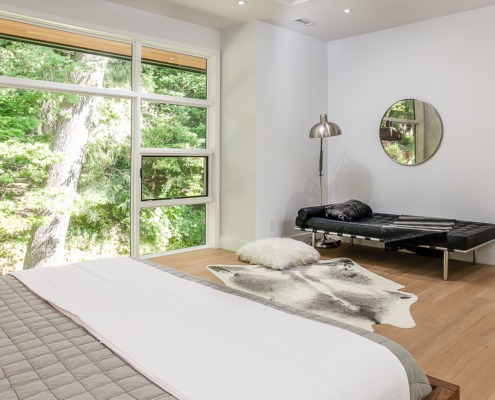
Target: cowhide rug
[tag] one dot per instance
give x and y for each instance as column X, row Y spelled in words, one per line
column 337, row 288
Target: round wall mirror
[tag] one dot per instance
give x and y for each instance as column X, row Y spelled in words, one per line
column 411, row 131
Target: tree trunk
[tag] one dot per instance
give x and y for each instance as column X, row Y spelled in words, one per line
column 46, row 247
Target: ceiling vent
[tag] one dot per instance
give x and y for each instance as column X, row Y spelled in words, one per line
column 291, row 3
column 303, row 21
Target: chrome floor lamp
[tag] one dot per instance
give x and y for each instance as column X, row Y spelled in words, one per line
column 319, row 131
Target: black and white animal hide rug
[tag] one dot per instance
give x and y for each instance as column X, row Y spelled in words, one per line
column 337, row 288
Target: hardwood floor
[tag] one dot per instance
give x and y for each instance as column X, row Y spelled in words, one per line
column 454, row 337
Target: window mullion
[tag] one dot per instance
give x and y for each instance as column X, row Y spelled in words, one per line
column 175, row 202
column 135, row 152
column 162, row 98
column 24, row 83
column 175, row 152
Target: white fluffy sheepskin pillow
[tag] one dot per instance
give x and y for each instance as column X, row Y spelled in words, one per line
column 278, row 253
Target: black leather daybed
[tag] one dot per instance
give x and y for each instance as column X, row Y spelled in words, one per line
column 463, row 237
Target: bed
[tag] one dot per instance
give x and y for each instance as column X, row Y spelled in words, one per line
column 464, row 237
column 61, row 352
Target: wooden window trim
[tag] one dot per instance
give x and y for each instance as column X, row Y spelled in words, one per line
column 92, row 43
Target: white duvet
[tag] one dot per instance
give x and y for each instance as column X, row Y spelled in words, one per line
column 202, row 344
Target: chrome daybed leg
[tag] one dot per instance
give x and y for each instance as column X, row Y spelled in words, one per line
column 445, row 265
column 475, row 256
column 313, row 239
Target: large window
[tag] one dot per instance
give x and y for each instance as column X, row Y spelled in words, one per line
column 95, row 159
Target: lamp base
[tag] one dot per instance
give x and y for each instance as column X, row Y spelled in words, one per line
column 326, row 242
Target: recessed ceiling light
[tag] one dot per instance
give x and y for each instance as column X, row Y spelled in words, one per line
column 347, row 10
column 241, row 2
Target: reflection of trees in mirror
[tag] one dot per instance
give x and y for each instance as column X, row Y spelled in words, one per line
column 420, row 131
column 403, row 109
column 399, row 153
column 402, row 150
column 65, row 159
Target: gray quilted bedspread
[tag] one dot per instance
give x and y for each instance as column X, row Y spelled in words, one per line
column 44, row 355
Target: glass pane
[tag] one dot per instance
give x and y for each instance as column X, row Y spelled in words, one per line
column 100, row 218
column 173, row 74
column 173, row 126
column 173, row 177
column 64, row 178
column 172, row 228
column 66, row 57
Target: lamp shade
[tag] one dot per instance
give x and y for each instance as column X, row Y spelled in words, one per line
column 324, row 128
column 390, row 134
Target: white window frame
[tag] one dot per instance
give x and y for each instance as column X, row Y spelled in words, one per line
column 136, row 95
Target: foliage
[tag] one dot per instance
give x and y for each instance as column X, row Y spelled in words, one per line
column 395, row 152
column 402, row 109
column 100, row 218
column 402, row 151
column 172, row 81
column 172, row 228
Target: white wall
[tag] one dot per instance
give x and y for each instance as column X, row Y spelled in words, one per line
column 238, row 136
column 291, row 94
column 113, row 18
column 447, row 62
column 274, row 86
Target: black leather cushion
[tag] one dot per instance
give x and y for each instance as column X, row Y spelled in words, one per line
column 349, row 210
column 308, row 212
column 369, row 227
column 464, row 236
column 468, row 234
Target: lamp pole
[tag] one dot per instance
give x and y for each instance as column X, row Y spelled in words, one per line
column 321, row 171
column 319, row 131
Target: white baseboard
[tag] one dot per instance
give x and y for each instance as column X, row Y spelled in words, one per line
column 234, row 244
column 231, row 244
column 486, row 257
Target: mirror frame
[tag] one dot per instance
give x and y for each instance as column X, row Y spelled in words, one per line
column 395, row 130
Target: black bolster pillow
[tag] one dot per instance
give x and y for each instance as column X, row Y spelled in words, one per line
column 308, row 212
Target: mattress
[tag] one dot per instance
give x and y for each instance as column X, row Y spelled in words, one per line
column 45, row 355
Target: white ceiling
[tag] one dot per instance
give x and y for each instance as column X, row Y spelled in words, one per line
column 330, row 22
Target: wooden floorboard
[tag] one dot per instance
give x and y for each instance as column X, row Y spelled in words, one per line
column 454, row 337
